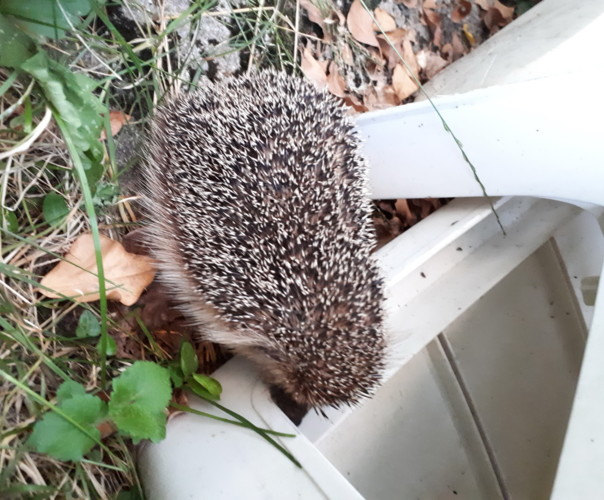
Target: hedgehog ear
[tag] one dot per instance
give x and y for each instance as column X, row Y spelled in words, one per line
column 294, row 410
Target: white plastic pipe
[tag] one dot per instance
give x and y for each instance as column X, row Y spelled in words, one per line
column 527, row 139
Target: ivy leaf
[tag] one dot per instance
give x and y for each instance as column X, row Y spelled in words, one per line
column 188, row 360
column 57, row 436
column 139, row 399
column 55, row 209
column 88, row 325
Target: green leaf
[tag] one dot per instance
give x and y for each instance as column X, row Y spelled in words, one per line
column 188, row 359
column 9, row 220
column 71, row 95
column 129, row 495
column 45, row 17
column 139, row 423
column 88, row 325
column 111, row 347
column 202, row 391
column 139, row 399
column 210, row 384
column 17, row 47
column 55, row 209
column 69, row 389
column 61, row 439
column 176, row 375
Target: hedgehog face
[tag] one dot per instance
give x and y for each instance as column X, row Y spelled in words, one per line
column 325, row 367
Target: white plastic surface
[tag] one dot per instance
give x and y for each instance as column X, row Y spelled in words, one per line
column 523, row 139
column 535, row 131
column 203, row 458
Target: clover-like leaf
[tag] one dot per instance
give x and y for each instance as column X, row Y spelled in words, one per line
column 58, row 436
column 139, row 399
column 188, row 359
column 55, row 209
column 88, row 325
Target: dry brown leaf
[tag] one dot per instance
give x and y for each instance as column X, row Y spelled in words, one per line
column 454, row 50
column 433, row 20
column 117, row 119
column 429, row 4
column 126, row 274
column 382, row 98
column 384, row 21
column 430, row 62
column 409, row 57
column 360, row 24
column 314, row 13
column 335, row 82
column 401, row 206
column 313, row 69
column 497, row 17
column 395, row 38
column 403, row 84
column 507, row 13
column 462, row 10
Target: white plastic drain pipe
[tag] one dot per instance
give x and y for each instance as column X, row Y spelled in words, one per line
column 525, row 139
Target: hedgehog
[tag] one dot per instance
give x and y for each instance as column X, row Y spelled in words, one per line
column 259, row 216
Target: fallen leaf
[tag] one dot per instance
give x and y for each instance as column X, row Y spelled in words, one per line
column 403, row 84
column 429, row 4
column 117, row 119
column 454, row 50
column 314, row 13
column 401, row 207
column 433, row 20
column 430, row 63
column 313, row 69
column 126, row 274
column 497, row 17
column 409, row 57
column 360, row 24
column 384, row 21
column 469, row 35
column 506, row 12
column 461, row 11
column 335, row 82
column 381, row 98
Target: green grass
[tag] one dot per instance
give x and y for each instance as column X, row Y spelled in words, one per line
column 40, row 155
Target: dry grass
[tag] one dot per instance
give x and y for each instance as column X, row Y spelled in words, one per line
column 38, row 347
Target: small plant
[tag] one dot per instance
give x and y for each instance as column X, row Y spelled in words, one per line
column 135, row 408
column 23, row 28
